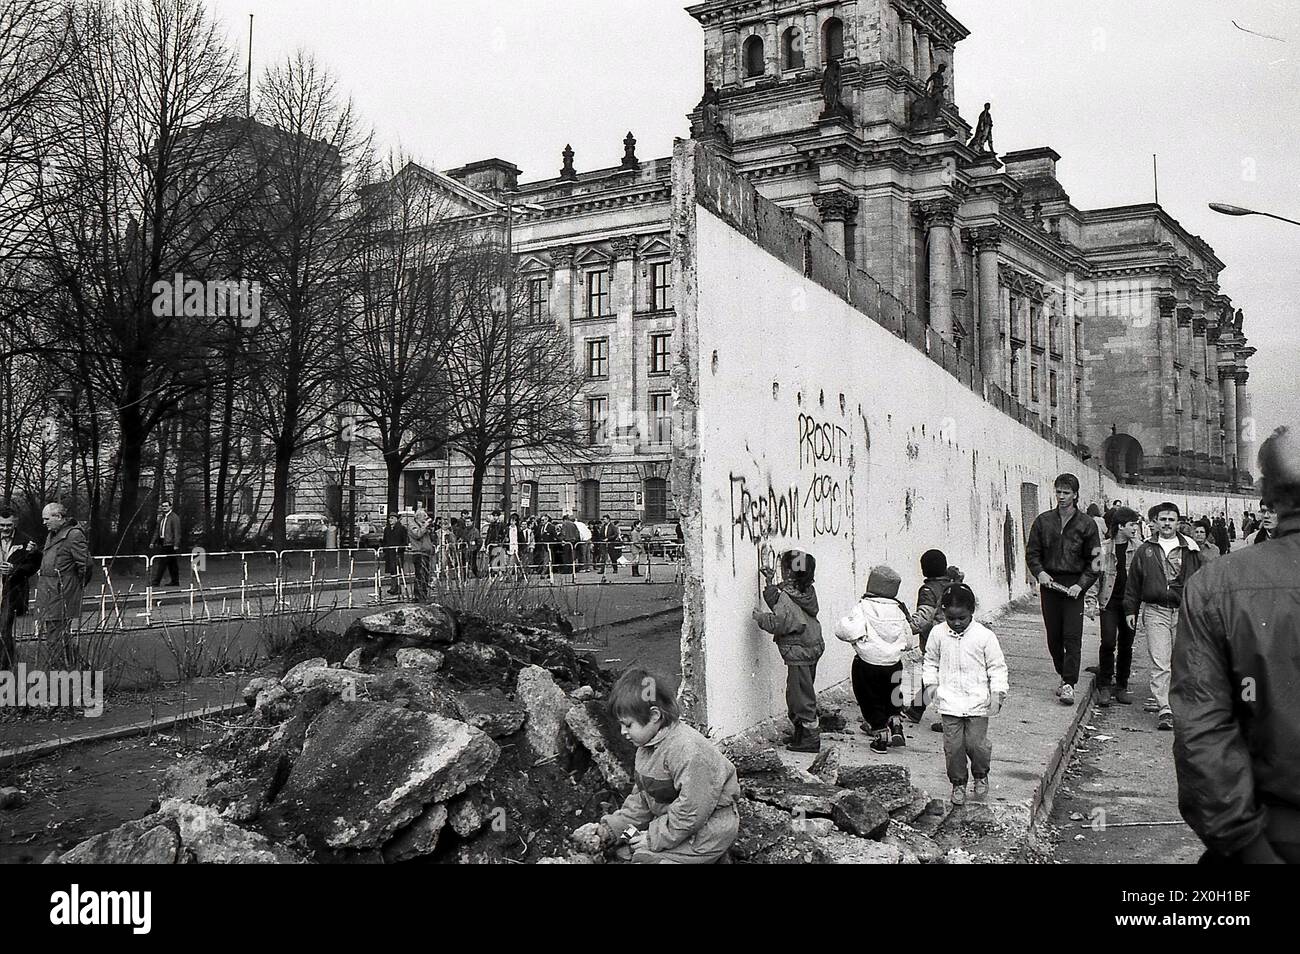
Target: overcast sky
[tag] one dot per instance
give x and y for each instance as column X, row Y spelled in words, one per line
column 1104, row 82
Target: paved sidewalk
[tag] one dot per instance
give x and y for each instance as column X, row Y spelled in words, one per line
column 1031, row 736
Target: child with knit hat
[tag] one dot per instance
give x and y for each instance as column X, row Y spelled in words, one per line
column 938, row 576
column 880, row 631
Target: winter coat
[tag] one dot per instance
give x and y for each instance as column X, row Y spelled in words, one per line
column 966, row 669
column 421, row 537
column 1235, row 750
column 167, row 531
column 879, row 630
column 65, row 563
column 1110, row 568
column 1067, row 551
column 1147, row 582
column 793, row 624
column 928, row 612
column 25, row 563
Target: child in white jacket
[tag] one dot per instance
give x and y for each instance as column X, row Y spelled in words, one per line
column 880, row 631
column 964, row 663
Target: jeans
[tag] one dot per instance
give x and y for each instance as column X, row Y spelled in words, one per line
column 1063, row 619
column 1115, row 632
column 966, row 737
column 1161, row 625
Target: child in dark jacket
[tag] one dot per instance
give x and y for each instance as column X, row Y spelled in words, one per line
column 938, row 576
column 792, row 621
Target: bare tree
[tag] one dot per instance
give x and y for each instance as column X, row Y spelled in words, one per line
column 507, row 383
column 135, row 189
column 302, row 238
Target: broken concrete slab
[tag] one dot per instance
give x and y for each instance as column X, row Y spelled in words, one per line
column 418, row 838
column 888, row 783
column 761, row 827
column 209, row 839
column 293, row 678
column 413, row 658
column 368, row 769
column 826, row 766
column 492, row 712
column 145, row 842
column 426, row 623
column 546, row 703
column 843, row 849
column 859, row 814
column 598, row 733
column 908, row 839
column 418, row 689
column 256, row 686
column 466, row 814
column 752, row 758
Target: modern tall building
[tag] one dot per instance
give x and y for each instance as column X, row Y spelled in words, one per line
column 1108, row 324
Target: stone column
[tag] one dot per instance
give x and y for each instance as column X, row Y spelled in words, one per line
column 812, row 59
column 987, row 240
column 1166, row 338
column 772, row 50
column 1212, row 386
column 1244, row 464
column 938, row 216
column 624, row 404
column 923, row 69
column 835, row 208
column 731, row 68
column 1186, row 432
column 562, row 288
column 1228, row 390
column 1200, row 385
column 905, row 59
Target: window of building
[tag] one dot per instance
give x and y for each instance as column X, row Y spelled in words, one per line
column 598, row 294
column 1078, row 341
column 597, row 419
column 755, row 63
column 1054, row 335
column 833, row 39
column 1051, row 386
column 291, row 499
column 1035, row 339
column 656, row 500
column 659, row 349
column 246, row 501
column 792, row 49
column 661, row 286
column 1015, row 376
column 598, row 358
column 589, row 500
column 661, row 418
column 537, row 304
column 1033, row 382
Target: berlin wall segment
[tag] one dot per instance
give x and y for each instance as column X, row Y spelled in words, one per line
column 816, row 427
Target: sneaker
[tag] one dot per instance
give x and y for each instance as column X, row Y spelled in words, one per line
column 880, row 743
column 1103, row 697
column 1166, row 722
column 896, row 737
column 980, row 789
column 959, row 794
column 1067, row 695
column 1121, row 696
column 1059, row 688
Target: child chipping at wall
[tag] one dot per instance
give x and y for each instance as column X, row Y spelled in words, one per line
column 964, row 662
column 791, row 618
column 880, row 631
column 684, row 805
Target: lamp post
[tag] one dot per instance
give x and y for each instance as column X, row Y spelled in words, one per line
column 63, row 397
column 1224, row 209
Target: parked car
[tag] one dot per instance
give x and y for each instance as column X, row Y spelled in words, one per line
column 654, row 536
column 302, row 531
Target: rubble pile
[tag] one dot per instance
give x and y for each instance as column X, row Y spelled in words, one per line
column 428, row 736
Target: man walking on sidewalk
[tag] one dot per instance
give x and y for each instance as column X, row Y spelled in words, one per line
column 1235, row 670
column 167, row 542
column 1116, row 634
column 1154, row 591
column 1064, row 547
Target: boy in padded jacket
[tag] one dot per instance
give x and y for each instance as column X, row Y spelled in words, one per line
column 792, row 621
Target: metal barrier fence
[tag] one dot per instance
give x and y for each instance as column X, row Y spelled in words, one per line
column 141, row 590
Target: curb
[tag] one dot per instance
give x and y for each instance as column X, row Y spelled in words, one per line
column 8, row 757
column 1040, row 806
column 657, row 614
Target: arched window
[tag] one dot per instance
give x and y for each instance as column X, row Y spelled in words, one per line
column 792, row 49
column 833, row 39
column 755, row 63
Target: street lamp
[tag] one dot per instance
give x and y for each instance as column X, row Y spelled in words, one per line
column 63, row 398
column 1225, row 209
column 510, row 207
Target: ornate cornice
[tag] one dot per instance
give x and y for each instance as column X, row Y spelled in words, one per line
column 563, row 255
column 836, row 206
column 940, row 212
column 985, row 238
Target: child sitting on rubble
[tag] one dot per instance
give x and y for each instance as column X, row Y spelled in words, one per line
column 880, row 631
column 683, row 808
column 965, row 667
column 792, row 621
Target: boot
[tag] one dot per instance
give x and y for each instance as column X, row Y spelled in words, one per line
column 794, row 737
column 1103, row 696
column 810, row 740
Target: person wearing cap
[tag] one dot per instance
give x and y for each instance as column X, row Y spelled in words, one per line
column 791, row 618
column 1117, row 552
column 1235, row 669
column 1153, row 592
column 879, row 629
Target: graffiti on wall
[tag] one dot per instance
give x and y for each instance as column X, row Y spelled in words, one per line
column 814, row 503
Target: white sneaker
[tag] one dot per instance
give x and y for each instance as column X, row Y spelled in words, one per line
column 1067, row 695
column 959, row 794
column 981, row 788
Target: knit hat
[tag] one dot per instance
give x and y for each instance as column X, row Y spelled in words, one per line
column 934, row 563
column 883, row 581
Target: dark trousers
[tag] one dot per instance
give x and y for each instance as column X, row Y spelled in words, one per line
column 8, row 646
column 966, row 738
column 1115, row 634
column 168, row 563
column 423, row 573
column 801, row 695
column 877, row 689
column 1063, row 619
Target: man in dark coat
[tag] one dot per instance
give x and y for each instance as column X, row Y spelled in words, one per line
column 1235, row 668
column 65, row 568
column 166, row 542
column 20, row 558
column 394, row 544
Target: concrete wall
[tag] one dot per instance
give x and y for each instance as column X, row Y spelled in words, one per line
column 804, row 421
